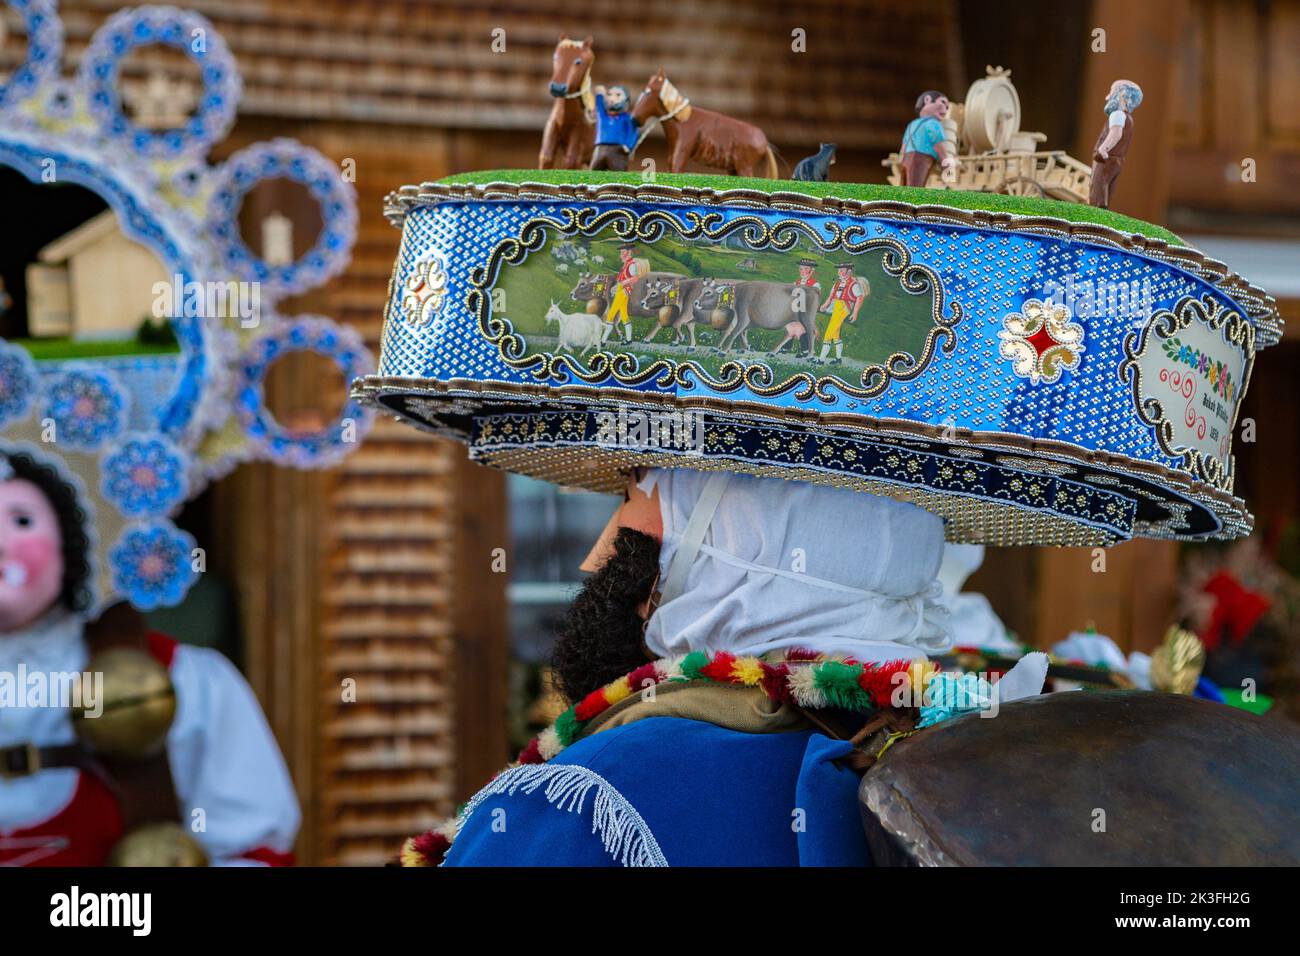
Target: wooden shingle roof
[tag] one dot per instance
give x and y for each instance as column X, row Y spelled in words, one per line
column 432, row 63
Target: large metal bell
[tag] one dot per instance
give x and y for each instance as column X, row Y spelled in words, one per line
column 138, row 706
column 1109, row 778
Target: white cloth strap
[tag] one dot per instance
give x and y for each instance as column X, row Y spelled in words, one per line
column 693, row 535
column 865, row 588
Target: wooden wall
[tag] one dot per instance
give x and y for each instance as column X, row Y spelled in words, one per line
column 1220, row 80
column 1234, row 98
column 1238, row 83
column 358, row 574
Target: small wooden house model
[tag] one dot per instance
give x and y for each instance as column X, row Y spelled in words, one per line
column 92, row 283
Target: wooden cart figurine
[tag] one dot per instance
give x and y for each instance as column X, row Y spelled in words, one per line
column 992, row 153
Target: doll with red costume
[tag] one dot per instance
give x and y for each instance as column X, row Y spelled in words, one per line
column 170, row 762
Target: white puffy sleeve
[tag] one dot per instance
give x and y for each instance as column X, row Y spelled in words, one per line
column 225, row 762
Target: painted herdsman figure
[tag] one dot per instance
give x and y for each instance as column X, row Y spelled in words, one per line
column 629, row 271
column 794, row 329
column 843, row 303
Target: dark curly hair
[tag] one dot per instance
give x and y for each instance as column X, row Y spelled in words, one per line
column 599, row 639
column 73, row 522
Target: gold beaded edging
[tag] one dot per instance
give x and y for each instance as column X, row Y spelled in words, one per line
column 968, row 520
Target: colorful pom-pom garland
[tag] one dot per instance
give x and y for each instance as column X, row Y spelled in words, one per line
column 803, row 678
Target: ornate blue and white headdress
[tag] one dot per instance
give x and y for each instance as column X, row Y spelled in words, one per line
column 1033, row 371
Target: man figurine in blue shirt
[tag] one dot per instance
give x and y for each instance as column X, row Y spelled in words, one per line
column 923, row 141
column 616, row 133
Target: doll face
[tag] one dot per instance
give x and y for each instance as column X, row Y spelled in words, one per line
column 31, row 555
column 615, row 99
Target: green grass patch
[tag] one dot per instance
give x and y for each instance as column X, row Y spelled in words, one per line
column 51, row 349
column 861, row 192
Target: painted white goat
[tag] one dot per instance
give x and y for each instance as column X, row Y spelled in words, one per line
column 578, row 330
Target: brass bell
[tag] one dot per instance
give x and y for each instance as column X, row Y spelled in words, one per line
column 138, row 705
column 667, row 315
column 719, row 318
column 1176, row 664
column 158, row 844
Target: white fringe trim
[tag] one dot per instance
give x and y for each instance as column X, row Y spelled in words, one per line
column 625, row 834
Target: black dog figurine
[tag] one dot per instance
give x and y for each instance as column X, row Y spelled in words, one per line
column 816, row 168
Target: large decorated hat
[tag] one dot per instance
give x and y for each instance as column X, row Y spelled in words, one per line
column 133, row 428
column 1036, row 372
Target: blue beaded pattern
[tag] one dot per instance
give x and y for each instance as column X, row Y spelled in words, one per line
column 192, row 34
column 44, row 50
column 983, row 275
column 131, row 433
column 989, row 274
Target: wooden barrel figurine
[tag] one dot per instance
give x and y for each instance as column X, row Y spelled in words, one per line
column 992, row 114
column 952, row 128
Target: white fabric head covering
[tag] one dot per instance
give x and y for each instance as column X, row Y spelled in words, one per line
column 960, row 561
column 974, row 622
column 790, row 564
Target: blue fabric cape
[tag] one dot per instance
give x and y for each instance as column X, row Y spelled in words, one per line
column 676, row 792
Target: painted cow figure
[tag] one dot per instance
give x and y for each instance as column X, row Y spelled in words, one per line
column 679, row 294
column 758, row 303
column 600, row 288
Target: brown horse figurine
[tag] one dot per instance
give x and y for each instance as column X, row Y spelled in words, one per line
column 710, row 138
column 570, row 130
